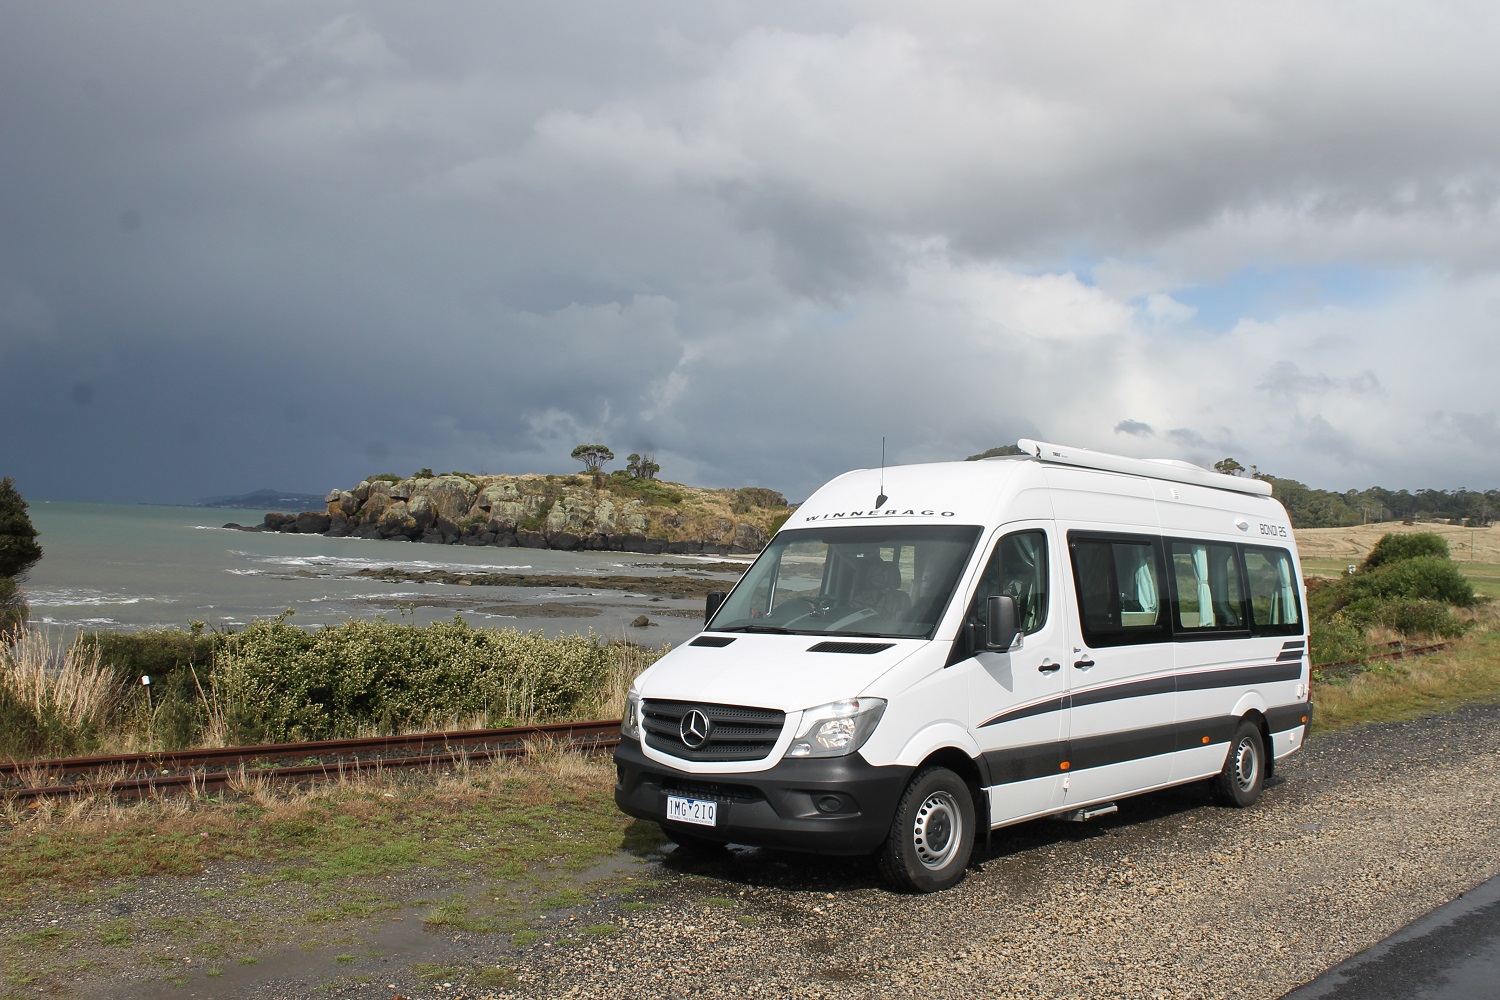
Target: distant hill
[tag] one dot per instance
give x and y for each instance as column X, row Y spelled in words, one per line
column 268, row 500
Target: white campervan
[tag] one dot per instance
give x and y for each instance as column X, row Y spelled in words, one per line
column 925, row 652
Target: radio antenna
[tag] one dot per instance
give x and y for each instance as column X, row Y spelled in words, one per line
column 880, row 500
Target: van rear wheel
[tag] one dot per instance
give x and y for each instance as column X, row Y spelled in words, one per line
column 1244, row 773
column 932, row 836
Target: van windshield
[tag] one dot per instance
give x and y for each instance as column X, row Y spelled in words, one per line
column 867, row 580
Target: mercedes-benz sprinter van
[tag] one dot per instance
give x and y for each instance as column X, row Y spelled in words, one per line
column 923, row 653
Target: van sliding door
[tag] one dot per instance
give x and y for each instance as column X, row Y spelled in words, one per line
column 1123, row 698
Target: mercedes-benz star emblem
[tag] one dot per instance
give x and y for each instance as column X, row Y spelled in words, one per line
column 694, row 729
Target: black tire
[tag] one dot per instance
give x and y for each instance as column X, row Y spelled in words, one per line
column 690, row 843
column 932, row 836
column 1244, row 773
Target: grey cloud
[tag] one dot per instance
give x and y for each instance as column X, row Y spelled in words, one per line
column 1135, row 428
column 1285, row 378
column 1188, row 438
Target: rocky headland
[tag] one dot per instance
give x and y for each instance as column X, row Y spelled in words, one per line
column 609, row 513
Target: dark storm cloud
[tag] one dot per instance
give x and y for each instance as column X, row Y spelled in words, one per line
column 289, row 245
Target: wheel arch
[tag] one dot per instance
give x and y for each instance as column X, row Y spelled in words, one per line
column 961, row 764
column 1251, row 708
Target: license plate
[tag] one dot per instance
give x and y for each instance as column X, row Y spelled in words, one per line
column 704, row 812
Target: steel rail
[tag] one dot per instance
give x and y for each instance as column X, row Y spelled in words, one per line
column 211, row 769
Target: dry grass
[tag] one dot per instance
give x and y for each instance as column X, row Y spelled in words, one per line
column 608, row 701
column 69, row 685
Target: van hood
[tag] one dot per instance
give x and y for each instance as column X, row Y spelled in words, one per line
column 786, row 672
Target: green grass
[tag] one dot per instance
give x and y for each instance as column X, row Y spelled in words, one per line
column 507, row 840
column 1468, row 672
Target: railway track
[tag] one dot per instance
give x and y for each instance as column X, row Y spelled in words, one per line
column 202, row 771
column 1396, row 649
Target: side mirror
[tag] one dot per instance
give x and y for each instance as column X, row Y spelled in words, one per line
column 712, row 603
column 1002, row 631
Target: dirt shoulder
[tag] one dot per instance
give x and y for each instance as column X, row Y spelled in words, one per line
column 1170, row 897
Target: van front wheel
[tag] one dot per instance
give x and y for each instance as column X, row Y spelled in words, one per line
column 1244, row 773
column 932, row 836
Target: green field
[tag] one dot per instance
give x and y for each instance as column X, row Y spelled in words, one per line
column 1485, row 575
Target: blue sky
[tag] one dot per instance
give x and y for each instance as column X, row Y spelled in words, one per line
column 292, row 245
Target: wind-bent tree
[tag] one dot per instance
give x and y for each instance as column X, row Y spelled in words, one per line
column 593, row 456
column 1229, row 467
column 642, row 466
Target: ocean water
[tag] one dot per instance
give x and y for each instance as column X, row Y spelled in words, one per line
column 111, row 566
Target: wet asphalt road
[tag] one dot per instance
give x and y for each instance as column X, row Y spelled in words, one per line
column 1453, row 953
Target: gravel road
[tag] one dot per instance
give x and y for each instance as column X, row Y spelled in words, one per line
column 1358, row 835
column 1171, row 897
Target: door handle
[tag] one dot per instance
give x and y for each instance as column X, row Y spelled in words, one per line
column 1049, row 668
column 1083, row 664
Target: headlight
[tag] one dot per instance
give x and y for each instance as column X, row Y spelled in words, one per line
column 836, row 729
column 630, row 720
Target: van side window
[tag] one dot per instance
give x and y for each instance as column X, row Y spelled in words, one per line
column 1119, row 581
column 1017, row 568
column 1274, row 605
column 1210, row 596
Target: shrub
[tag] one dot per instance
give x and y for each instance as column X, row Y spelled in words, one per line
column 1394, row 548
column 1337, row 641
column 1422, row 619
column 1431, row 578
column 276, row 682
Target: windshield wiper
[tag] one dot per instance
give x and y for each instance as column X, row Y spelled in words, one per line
column 771, row 629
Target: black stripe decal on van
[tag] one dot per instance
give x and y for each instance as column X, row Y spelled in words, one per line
column 1237, row 676
column 1043, row 759
column 1205, row 680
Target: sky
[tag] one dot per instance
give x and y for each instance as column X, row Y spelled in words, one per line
column 292, row 244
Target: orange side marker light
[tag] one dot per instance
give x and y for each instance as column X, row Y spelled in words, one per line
column 1065, row 765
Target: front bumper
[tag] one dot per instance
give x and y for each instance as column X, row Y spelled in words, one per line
column 823, row 805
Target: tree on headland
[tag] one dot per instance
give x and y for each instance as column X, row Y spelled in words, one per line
column 1229, row 467
column 593, row 457
column 19, row 552
column 641, row 466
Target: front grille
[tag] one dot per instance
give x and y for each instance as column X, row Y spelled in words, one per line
column 718, row 791
column 735, row 731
